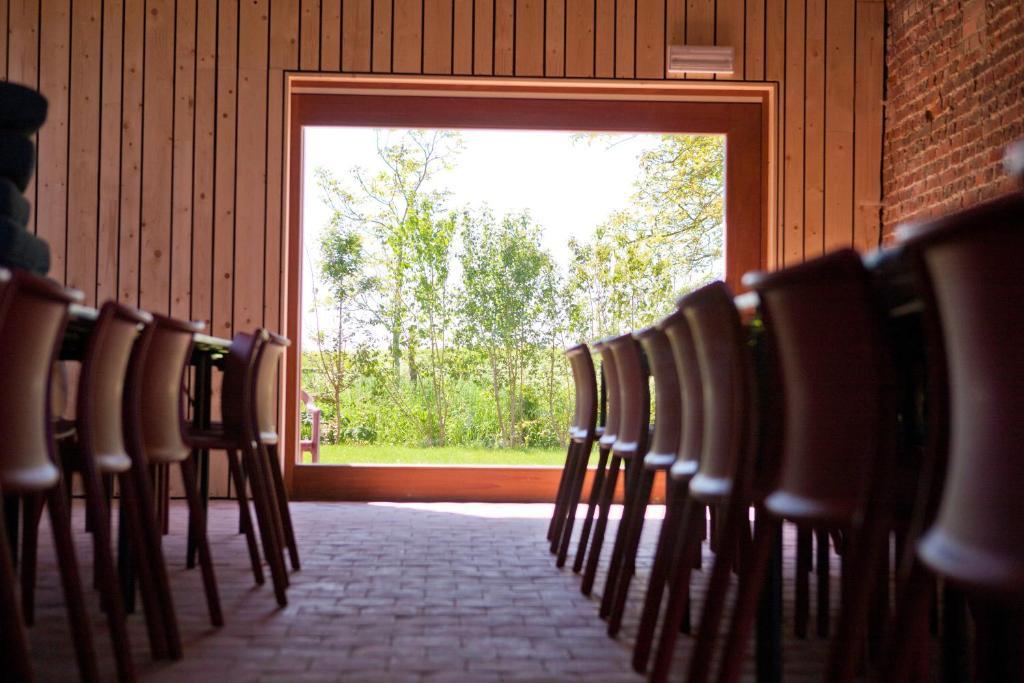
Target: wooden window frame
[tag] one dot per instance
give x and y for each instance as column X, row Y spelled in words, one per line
column 745, row 113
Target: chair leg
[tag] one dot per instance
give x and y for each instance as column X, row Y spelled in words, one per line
column 607, row 495
column 734, row 523
column 678, row 590
column 14, row 653
column 560, row 495
column 244, row 516
column 802, row 598
column 32, row 509
column 141, row 560
column 282, row 504
column 271, row 551
column 71, row 582
column 619, row 547
column 197, row 521
column 274, row 509
column 106, row 570
column 645, row 480
column 821, row 538
column 575, row 487
column 588, row 521
column 675, row 496
column 751, row 583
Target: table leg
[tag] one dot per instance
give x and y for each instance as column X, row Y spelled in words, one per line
column 203, row 389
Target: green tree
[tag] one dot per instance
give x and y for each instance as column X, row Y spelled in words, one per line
column 504, row 269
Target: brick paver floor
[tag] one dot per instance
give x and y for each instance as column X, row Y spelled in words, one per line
column 387, row 592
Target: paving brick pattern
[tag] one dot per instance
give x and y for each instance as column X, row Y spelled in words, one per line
column 387, row 592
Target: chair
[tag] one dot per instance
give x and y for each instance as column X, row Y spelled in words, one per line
column 970, row 274
column 157, row 437
column 838, row 434
column 33, row 314
column 605, row 480
column 630, row 446
column 312, row 444
column 681, row 467
column 722, row 478
column 581, row 442
column 265, row 417
column 238, row 433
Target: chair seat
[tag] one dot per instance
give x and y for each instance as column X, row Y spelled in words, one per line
column 29, row 479
column 683, row 470
column 710, row 490
column 113, row 463
column 972, row 566
column 625, row 449
column 659, row 461
column 215, row 437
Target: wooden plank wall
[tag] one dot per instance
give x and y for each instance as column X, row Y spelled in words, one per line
column 160, row 168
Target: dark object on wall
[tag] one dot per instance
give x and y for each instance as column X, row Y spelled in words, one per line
column 12, row 204
column 22, row 249
column 1013, row 161
column 17, row 158
column 22, row 110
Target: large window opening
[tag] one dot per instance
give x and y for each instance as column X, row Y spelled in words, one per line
column 444, row 271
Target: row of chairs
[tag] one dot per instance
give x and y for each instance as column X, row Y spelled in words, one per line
column 799, row 414
column 130, row 419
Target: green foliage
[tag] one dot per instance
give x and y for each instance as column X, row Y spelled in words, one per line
column 448, row 323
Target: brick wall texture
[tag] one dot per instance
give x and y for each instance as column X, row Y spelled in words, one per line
column 955, row 99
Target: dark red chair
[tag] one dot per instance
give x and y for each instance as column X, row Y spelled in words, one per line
column 723, row 476
column 630, row 447
column 581, row 443
column 970, row 266
column 839, row 426
column 605, row 480
column 33, row 314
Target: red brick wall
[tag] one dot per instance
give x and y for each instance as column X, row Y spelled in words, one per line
column 955, row 100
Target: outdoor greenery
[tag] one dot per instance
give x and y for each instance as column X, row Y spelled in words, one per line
column 441, row 325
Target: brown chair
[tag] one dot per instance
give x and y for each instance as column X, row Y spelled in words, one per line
column 581, row 442
column 728, row 446
column 630, row 446
column 680, row 469
column 265, row 418
column 557, row 515
column 839, row 427
column 33, row 314
column 157, row 438
column 605, row 479
column 970, row 270
column 660, row 456
column 238, row 433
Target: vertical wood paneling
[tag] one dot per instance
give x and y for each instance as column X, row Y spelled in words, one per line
column 775, row 70
column 83, row 147
column 579, row 38
column 382, row 11
column 331, row 43
column 3, row 38
column 23, row 60
column 793, row 159
column 157, row 119
column 814, row 129
column 839, row 124
column 730, row 25
column 754, row 48
column 604, row 20
column 483, row 38
column 309, row 35
column 181, row 185
column 131, row 153
column 675, row 18
column 462, row 40
column 554, row 39
column 700, row 26
column 504, row 37
column 203, row 170
column 625, row 35
column 529, row 37
column 408, row 40
column 250, row 178
column 52, row 148
column 356, row 33
column 869, row 62
column 225, row 169
column 650, row 38
column 109, row 210
column 437, row 36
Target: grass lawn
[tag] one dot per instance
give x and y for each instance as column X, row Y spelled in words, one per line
column 348, row 454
